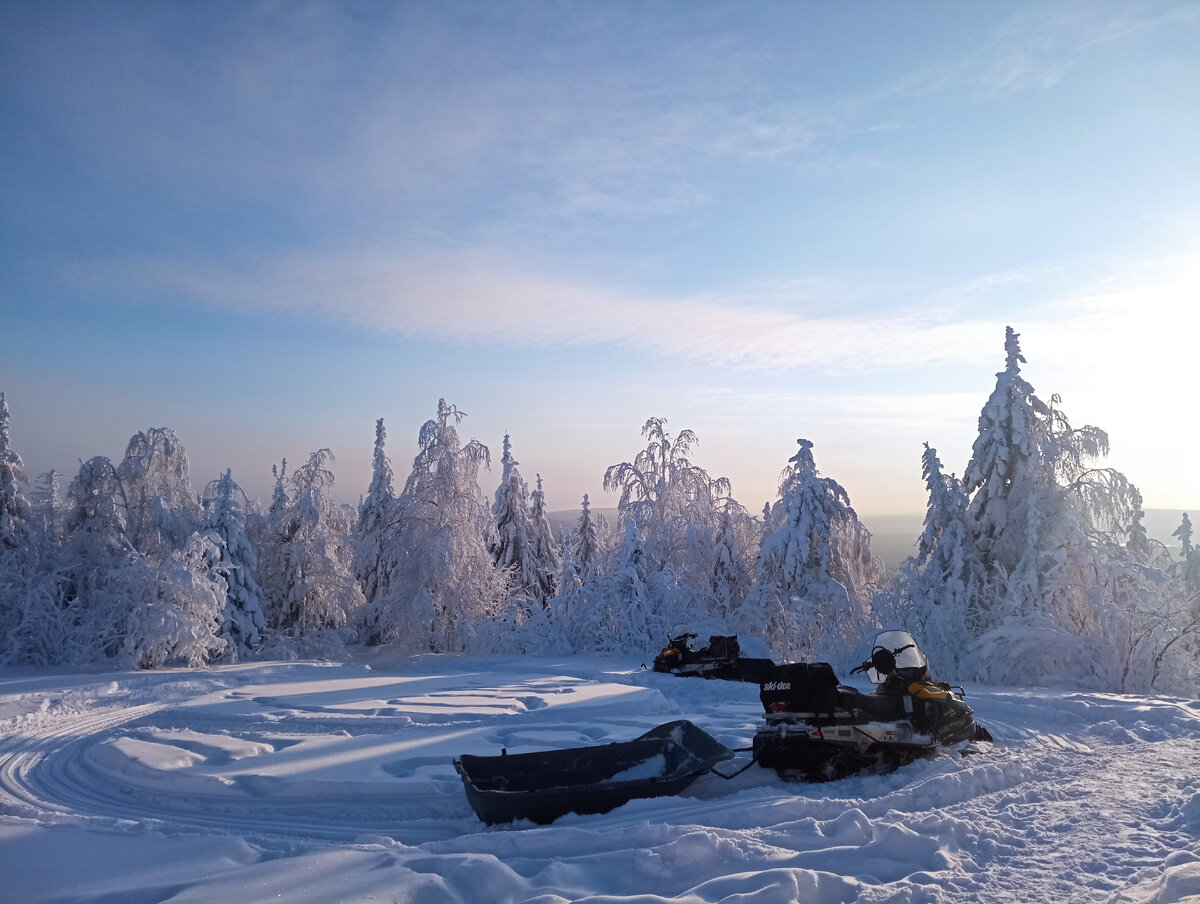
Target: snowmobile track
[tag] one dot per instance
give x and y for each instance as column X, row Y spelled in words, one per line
column 46, row 775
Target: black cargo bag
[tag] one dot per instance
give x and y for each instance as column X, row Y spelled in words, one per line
column 800, row 687
column 724, row 647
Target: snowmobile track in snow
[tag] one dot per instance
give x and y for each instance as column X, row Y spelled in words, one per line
column 48, row 773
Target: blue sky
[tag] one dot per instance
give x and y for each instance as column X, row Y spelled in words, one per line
column 268, row 224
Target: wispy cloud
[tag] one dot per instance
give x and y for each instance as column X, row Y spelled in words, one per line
column 466, row 300
column 421, row 112
column 1036, row 49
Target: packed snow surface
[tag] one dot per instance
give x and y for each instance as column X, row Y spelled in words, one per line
column 314, row 782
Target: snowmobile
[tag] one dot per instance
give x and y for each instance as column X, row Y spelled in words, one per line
column 722, row 658
column 815, row 729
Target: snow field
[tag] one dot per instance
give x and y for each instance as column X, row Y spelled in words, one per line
column 320, row 782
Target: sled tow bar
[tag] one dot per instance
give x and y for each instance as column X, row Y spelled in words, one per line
column 754, row 759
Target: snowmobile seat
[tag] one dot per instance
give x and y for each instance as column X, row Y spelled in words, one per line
column 886, row 706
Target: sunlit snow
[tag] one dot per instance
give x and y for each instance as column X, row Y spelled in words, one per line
column 316, row 782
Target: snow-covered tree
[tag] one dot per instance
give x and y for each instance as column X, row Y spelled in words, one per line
column 310, row 533
column 95, row 521
column 17, row 558
column 632, row 610
column 14, row 507
column 811, row 584
column 446, row 581
column 268, row 535
column 109, row 601
column 1041, row 516
column 279, row 495
column 375, row 531
column 937, row 592
column 621, row 610
column 1184, row 534
column 732, row 574
column 546, row 554
column 1036, row 499
column 123, row 574
column 1189, row 553
column 678, row 509
column 33, row 579
column 174, row 608
column 242, row 618
column 129, row 579
column 675, row 504
column 1007, row 472
column 535, row 618
column 1138, row 541
column 512, row 537
column 1141, row 617
column 81, row 619
column 585, row 545
column 47, row 503
column 160, row 507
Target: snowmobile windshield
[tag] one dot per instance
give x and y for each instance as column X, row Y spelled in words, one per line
column 903, row 647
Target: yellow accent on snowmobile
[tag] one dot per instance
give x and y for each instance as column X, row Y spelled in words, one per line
column 930, row 690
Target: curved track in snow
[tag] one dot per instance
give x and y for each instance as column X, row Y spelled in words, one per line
column 32, row 766
column 54, row 771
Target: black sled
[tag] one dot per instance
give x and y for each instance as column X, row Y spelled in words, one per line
column 722, row 658
column 815, row 729
column 545, row 785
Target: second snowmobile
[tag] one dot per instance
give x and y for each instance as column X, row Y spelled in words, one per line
column 722, row 658
column 815, row 729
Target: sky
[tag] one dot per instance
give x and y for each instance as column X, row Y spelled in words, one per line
column 267, row 224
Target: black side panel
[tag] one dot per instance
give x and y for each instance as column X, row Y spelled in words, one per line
column 800, row 687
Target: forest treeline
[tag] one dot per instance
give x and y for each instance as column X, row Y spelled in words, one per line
column 1033, row 567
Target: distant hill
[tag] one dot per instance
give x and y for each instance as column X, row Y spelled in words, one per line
column 1161, row 523
column 894, row 537
column 567, row 520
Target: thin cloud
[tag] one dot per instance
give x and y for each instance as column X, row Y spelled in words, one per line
column 1038, row 49
column 464, row 301
column 467, row 300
